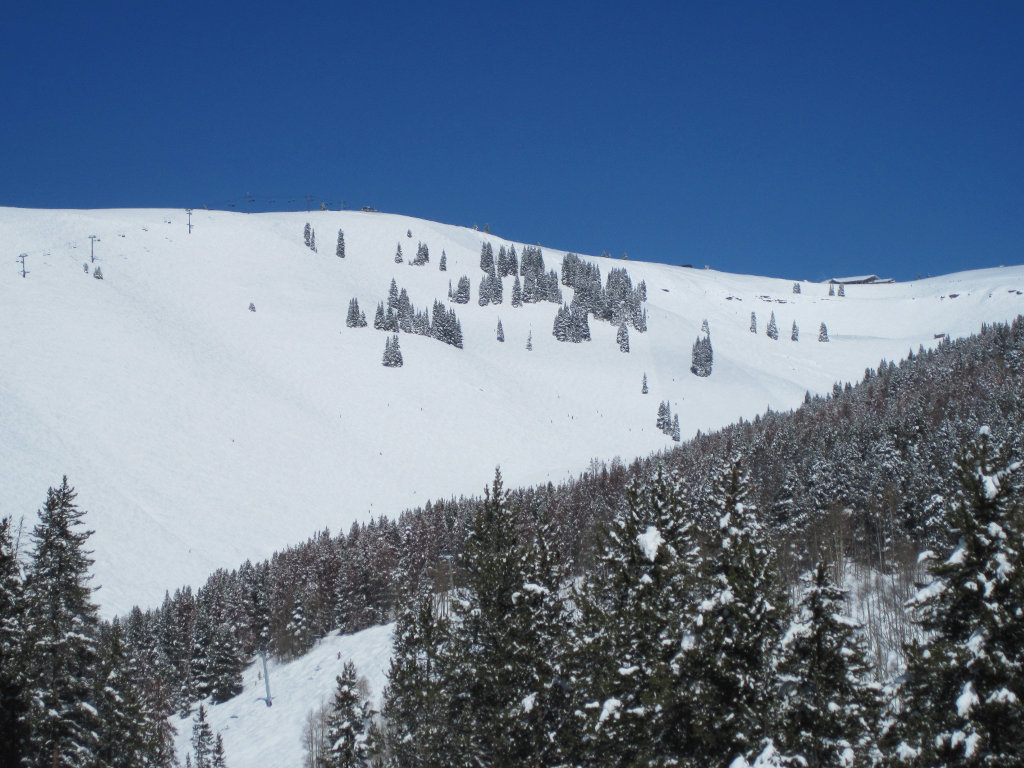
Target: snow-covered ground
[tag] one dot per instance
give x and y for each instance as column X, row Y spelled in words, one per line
column 256, row 735
column 199, row 434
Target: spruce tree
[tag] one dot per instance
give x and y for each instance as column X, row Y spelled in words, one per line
column 355, row 318
column 61, row 629
column 529, row 342
column 443, row 266
column 753, row 322
column 398, row 254
column 346, row 723
column 829, row 705
column 632, row 698
column 643, row 387
column 831, row 289
column 823, row 333
column 622, row 338
column 965, row 681
column 12, row 631
column 202, row 740
column 842, row 289
column 795, row 335
column 339, row 251
column 773, row 329
column 734, row 629
column 500, row 332
column 305, row 234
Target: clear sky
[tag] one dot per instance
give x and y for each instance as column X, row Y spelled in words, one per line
column 798, row 139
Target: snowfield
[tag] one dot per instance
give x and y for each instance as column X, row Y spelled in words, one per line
column 199, row 434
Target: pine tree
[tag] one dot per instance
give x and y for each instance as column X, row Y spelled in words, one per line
column 517, row 293
column 622, row 338
column 796, row 287
column 218, row 760
column 842, row 289
column 831, row 289
column 705, row 328
column 392, row 353
column 965, row 682
column 61, row 629
column 312, row 241
column 12, row 631
column 823, row 333
column 305, row 234
column 97, row 273
column 501, row 332
column 415, row 701
column 355, row 318
column 124, row 728
column 643, row 387
column 529, row 342
column 795, row 335
column 462, row 291
column 753, row 322
column 773, row 329
column 202, row 740
column 443, row 266
column 339, row 251
column 829, row 705
column 346, row 724
column 734, row 629
column 676, row 435
column 631, row 696
column 702, row 357
column 398, row 254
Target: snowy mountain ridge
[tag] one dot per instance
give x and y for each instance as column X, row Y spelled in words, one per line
column 199, row 433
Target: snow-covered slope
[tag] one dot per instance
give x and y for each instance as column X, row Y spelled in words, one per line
column 199, row 434
column 257, row 735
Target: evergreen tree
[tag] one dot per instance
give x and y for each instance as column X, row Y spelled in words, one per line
column 306, row 231
column 398, row 254
column 631, row 695
column 622, row 338
column 122, row 738
column 443, row 266
column 415, row 701
column 501, row 332
column 339, row 251
column 61, row 629
column 392, row 353
column 823, row 333
column 643, row 388
column 734, row 630
column 773, row 329
column 842, row 289
column 312, row 241
column 355, row 318
column 202, row 740
column 702, row 357
column 12, row 678
column 831, row 289
column 378, row 318
column 462, row 291
column 346, row 723
column 487, row 258
column 97, row 273
column 676, row 435
column 753, row 322
column 529, row 342
column 218, row 760
column 517, row 293
column 705, row 328
column 796, row 287
column 830, row 706
column 965, row 681
column 795, row 335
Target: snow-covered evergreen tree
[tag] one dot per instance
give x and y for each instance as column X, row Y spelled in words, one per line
column 355, row 318
column 643, row 387
column 202, row 740
column 339, row 250
column 842, row 289
column 12, row 631
column 398, row 254
column 822, row 333
column 829, row 703
column 965, row 681
column 346, row 723
column 773, row 329
column 306, row 231
column 443, row 265
column 529, row 342
column 831, row 289
column 61, row 630
column 702, row 357
column 753, row 322
column 734, row 630
column 622, row 338
column 795, row 334
column 392, row 353
column 500, row 332
column 796, row 287
column 462, row 291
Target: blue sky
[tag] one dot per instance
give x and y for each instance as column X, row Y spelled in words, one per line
column 795, row 139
